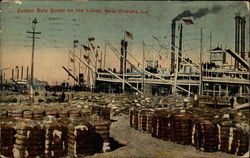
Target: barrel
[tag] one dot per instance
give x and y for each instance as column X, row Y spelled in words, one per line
column 55, row 140
column 17, row 114
column 52, row 112
column 74, row 113
column 7, row 135
column 101, row 133
column 105, row 113
column 63, row 113
column 158, row 123
column 206, row 136
column 38, row 114
column 181, row 129
column 243, row 143
column 29, row 140
column 80, row 138
column 135, row 120
column 3, row 114
column 28, row 114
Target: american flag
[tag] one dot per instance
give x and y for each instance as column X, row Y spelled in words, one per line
column 72, row 60
column 93, row 47
column 85, row 56
column 129, row 35
column 160, row 57
column 86, row 48
column 96, row 54
column 91, row 38
column 75, row 43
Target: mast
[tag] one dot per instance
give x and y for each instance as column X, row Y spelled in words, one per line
column 74, row 66
column 68, row 64
column 105, row 52
column 79, row 68
column 143, row 66
column 200, row 84
column 33, row 32
column 100, row 60
column 123, row 64
column 210, row 37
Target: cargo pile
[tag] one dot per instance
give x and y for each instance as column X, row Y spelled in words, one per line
column 48, row 133
column 80, row 138
column 208, row 130
column 84, row 123
column 29, row 140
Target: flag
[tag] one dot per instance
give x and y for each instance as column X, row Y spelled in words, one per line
column 129, row 35
column 85, row 48
column 75, row 43
column 96, row 54
column 72, row 60
column 91, row 38
column 188, row 21
column 160, row 57
column 93, row 47
column 85, row 56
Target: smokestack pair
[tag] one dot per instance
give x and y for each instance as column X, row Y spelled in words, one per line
column 240, row 24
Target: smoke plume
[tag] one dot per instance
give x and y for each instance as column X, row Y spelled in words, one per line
column 199, row 13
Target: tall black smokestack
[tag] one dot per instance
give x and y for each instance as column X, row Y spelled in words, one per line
column 22, row 72
column 123, row 55
column 242, row 41
column 237, row 36
column 173, row 25
column 180, row 45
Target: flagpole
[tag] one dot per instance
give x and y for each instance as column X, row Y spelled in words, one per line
column 123, row 63
column 89, row 70
column 101, row 61
column 105, row 52
column 96, row 64
column 210, row 44
column 200, row 84
column 80, row 62
column 74, row 69
column 143, row 66
column 68, row 65
column 89, row 73
column 79, row 68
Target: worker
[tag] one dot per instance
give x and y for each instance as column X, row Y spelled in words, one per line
column 195, row 100
column 232, row 102
column 62, row 97
column 215, row 102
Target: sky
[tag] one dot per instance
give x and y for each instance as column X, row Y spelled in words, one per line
column 60, row 29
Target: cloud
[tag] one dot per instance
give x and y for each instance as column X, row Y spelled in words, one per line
column 18, row 2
